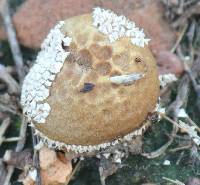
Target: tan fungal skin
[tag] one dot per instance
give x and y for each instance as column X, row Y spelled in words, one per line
column 107, row 111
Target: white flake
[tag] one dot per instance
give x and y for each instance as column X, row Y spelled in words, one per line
column 67, row 41
column 126, row 79
column 32, row 174
column 117, row 27
column 166, row 163
column 49, row 62
column 166, row 79
column 182, row 113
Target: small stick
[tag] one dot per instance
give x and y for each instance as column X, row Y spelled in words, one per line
column 36, row 158
column 192, row 73
column 193, row 123
column 162, row 149
column 180, row 157
column 19, row 147
column 11, row 139
column 180, row 148
column 195, row 9
column 73, row 172
column 173, row 181
column 169, row 119
column 192, row 78
column 13, row 86
column 5, row 124
column 179, row 38
column 14, row 45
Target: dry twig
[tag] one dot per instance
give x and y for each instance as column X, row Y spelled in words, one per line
column 2, row 172
column 162, row 149
column 180, row 148
column 194, row 9
column 36, row 158
column 73, row 172
column 179, row 38
column 13, row 86
column 19, row 147
column 5, row 124
column 173, row 181
column 5, row 13
column 11, row 139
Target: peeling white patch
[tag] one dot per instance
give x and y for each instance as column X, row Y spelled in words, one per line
column 117, row 27
column 182, row 113
column 106, row 155
column 39, row 146
column 166, row 163
column 90, row 148
column 166, row 79
column 33, row 174
column 159, row 108
column 126, row 79
column 49, row 62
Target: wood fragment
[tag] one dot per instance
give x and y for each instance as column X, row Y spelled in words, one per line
column 73, row 172
column 2, row 172
column 21, row 160
column 8, row 104
column 180, row 157
column 183, row 87
column 194, row 83
column 126, row 79
column 14, row 45
column 36, row 158
column 179, row 38
column 194, row 9
column 180, row 148
column 11, row 139
column 5, row 124
column 173, row 181
column 162, row 149
column 19, row 147
column 13, row 86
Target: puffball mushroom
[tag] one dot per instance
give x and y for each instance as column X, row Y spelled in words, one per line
column 93, row 83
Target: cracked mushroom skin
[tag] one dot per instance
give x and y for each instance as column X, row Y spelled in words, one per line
column 103, row 90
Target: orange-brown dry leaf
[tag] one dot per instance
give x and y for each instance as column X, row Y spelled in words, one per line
column 28, row 181
column 53, row 171
column 47, row 157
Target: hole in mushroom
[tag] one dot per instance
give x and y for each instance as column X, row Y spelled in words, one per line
column 87, row 87
column 138, row 60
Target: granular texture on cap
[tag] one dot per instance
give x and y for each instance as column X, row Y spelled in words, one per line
column 103, row 90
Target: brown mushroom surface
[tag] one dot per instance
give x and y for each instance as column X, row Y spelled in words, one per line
column 86, row 108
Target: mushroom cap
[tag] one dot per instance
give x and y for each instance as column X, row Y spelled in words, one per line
column 86, row 107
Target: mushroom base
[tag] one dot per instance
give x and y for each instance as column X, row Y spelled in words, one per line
column 91, row 150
